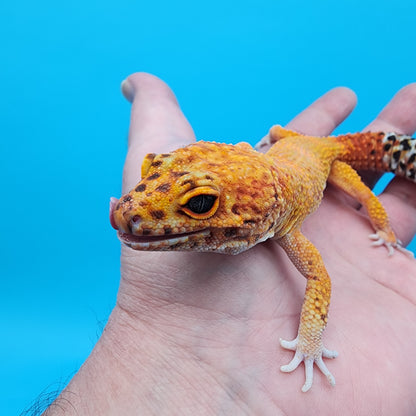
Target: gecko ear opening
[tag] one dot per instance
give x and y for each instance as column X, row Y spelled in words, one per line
column 147, row 162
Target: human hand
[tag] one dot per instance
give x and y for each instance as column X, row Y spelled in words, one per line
column 198, row 333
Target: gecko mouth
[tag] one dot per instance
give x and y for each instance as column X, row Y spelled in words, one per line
column 156, row 242
column 159, row 242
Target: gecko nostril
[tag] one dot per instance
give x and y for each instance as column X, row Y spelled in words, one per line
column 136, row 218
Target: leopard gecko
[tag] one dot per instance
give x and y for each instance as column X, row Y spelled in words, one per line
column 216, row 197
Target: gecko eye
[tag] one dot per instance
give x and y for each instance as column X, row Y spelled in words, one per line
column 201, row 203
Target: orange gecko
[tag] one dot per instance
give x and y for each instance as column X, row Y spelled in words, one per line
column 227, row 198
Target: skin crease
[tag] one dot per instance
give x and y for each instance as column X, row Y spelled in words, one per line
column 198, row 333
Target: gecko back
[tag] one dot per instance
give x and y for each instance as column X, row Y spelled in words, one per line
column 377, row 151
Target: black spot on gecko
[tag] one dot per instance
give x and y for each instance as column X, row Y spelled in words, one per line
column 140, row 188
column 190, row 182
column 146, row 231
column 127, row 198
column 157, row 214
column 156, row 163
column 178, row 174
column 412, row 174
column 396, row 155
column 153, row 177
column 405, row 145
column 168, row 230
column 402, row 166
column 255, row 208
column 373, row 152
column 391, row 138
column 386, row 147
column 249, row 221
column 235, row 209
column 165, row 155
column 412, row 158
column 163, row 188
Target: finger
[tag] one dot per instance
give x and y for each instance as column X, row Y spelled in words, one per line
column 157, row 123
column 399, row 115
column 399, row 198
column 322, row 116
column 326, row 113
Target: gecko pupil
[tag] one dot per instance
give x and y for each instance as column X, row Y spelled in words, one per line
column 201, row 204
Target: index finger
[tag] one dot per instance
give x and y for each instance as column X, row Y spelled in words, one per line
column 398, row 116
column 157, row 123
column 322, row 116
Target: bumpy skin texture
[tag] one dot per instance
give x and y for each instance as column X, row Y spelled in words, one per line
column 223, row 198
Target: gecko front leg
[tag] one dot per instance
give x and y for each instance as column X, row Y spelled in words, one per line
column 308, row 344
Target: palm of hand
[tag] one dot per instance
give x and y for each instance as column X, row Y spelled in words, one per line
column 226, row 313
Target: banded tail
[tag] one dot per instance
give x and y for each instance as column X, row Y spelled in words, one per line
column 383, row 152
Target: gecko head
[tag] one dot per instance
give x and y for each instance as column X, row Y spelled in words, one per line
column 203, row 197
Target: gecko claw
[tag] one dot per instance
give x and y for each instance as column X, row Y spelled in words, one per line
column 391, row 246
column 309, row 361
column 289, row 345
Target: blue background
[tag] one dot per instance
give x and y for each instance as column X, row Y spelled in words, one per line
column 236, row 68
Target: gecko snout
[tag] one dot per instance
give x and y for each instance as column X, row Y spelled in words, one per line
column 122, row 219
column 119, row 216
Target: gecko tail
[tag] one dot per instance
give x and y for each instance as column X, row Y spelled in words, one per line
column 381, row 151
column 400, row 155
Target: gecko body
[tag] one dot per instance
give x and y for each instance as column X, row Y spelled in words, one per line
column 224, row 198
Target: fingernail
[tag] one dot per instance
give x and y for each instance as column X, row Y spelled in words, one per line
column 127, row 90
column 113, row 203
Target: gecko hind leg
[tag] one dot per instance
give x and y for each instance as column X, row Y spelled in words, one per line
column 275, row 134
column 344, row 177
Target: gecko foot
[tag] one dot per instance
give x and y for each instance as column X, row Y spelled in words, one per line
column 378, row 240
column 309, row 360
